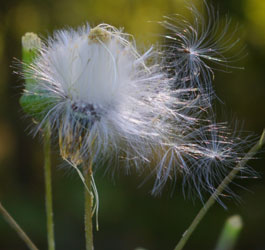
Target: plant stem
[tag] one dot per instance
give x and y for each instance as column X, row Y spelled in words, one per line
column 219, row 191
column 87, row 171
column 48, row 187
column 17, row 228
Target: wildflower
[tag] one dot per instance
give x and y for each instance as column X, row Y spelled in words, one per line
column 107, row 103
column 101, row 99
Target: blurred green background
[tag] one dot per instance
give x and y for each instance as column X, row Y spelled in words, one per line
column 129, row 217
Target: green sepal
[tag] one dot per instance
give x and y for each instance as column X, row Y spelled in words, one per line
column 36, row 105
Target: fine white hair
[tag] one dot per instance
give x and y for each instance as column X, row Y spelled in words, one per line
column 199, row 46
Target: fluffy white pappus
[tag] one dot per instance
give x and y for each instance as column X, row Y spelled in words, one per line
column 206, row 157
column 197, row 47
column 108, row 104
column 105, row 102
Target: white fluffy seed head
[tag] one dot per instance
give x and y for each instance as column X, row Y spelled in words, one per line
column 107, row 102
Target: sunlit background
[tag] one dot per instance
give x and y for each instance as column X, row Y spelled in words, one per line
column 129, row 216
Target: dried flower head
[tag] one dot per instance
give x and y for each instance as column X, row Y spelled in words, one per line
column 105, row 101
column 101, row 98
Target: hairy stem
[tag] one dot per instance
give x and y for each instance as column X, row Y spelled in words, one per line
column 17, row 228
column 48, row 187
column 87, row 171
column 227, row 180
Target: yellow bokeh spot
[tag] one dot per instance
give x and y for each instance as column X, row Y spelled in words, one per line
column 25, row 17
column 255, row 12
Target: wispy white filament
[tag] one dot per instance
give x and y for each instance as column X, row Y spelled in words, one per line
column 199, row 46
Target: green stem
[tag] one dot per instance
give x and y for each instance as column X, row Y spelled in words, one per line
column 219, row 191
column 48, row 187
column 87, row 171
column 230, row 233
column 17, row 228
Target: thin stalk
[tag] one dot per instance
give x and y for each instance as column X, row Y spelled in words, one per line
column 17, row 228
column 227, row 180
column 87, row 172
column 48, row 187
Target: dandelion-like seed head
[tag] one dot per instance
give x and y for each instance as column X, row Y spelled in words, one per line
column 102, row 98
column 107, row 102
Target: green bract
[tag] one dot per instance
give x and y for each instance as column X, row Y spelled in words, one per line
column 35, row 105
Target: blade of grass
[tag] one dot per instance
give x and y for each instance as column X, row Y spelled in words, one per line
column 10, row 220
